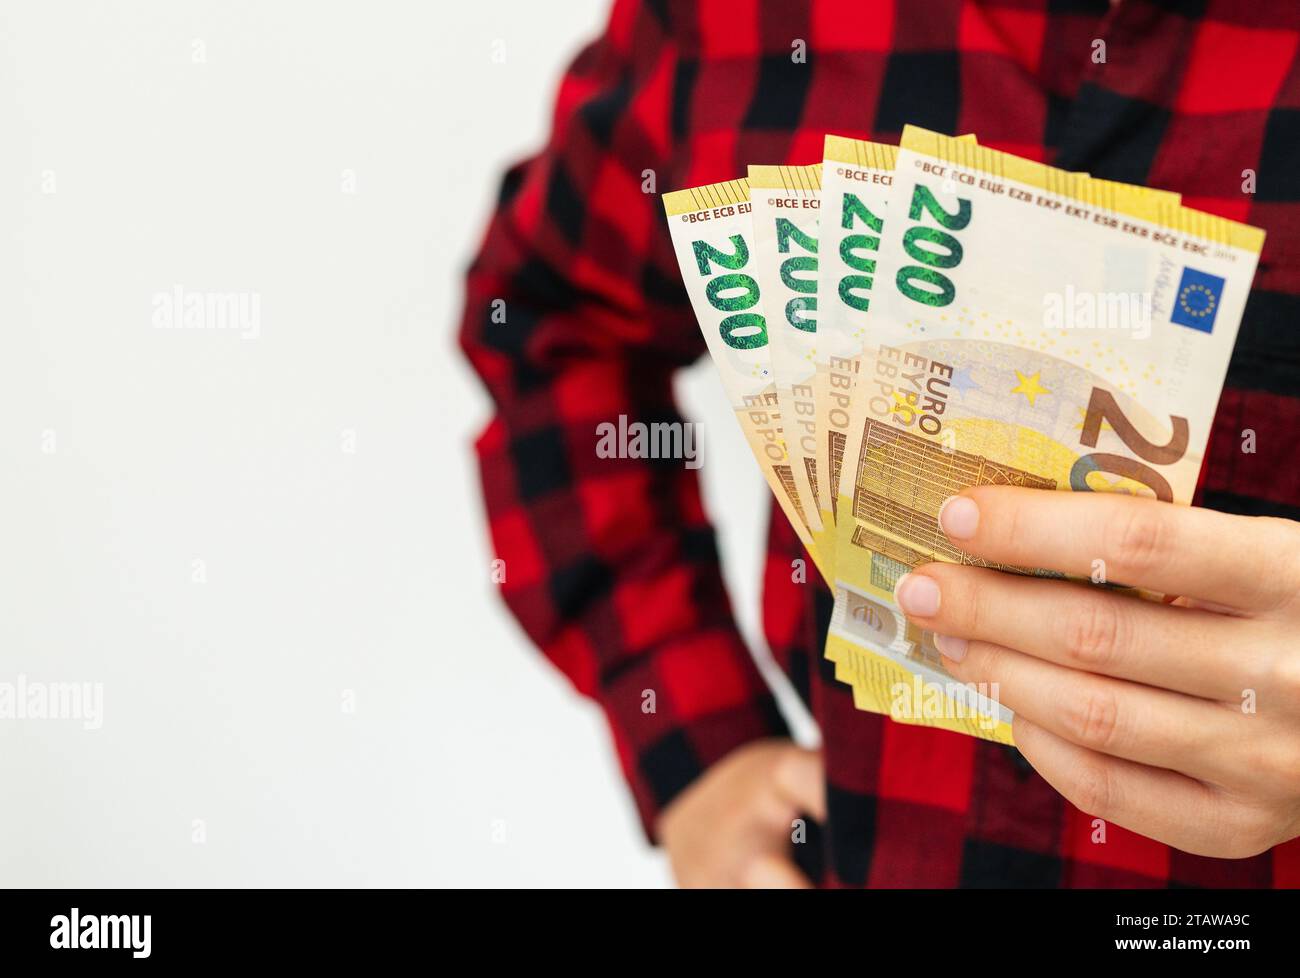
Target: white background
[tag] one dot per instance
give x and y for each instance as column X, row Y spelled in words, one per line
column 468, row 760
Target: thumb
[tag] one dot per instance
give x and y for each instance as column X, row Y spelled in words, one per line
column 800, row 780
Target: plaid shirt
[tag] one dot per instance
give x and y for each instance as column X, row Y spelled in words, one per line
column 611, row 565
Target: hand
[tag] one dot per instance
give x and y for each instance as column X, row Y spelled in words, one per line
column 1178, row 721
column 733, row 826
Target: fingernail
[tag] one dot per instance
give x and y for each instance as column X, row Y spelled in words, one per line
column 953, row 648
column 959, row 517
column 917, row 595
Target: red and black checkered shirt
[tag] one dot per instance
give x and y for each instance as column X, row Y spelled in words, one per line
column 611, row 563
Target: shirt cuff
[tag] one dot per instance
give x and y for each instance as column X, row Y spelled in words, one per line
column 677, row 712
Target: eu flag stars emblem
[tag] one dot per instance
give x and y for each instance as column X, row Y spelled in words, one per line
column 1197, row 301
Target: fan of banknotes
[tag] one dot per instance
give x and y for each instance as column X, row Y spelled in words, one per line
column 895, row 324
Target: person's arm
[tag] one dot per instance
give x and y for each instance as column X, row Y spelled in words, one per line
column 575, row 315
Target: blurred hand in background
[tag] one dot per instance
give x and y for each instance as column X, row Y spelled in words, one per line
column 734, row 826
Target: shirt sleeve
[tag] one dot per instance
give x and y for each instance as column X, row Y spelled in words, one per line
column 575, row 315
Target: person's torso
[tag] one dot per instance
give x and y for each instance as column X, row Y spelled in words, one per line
column 1205, row 105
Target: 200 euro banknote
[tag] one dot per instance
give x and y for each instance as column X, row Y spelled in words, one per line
column 785, row 200
column 712, row 235
column 1030, row 327
column 857, row 177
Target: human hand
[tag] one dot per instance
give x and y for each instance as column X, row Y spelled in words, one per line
column 1178, row 721
column 732, row 827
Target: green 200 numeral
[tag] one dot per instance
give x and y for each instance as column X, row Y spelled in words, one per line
column 854, row 288
column 742, row 330
column 799, row 274
column 923, row 283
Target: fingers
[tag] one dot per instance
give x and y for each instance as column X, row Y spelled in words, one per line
column 735, row 824
column 800, row 780
column 1162, row 805
column 1138, row 723
column 1248, row 563
column 1186, row 649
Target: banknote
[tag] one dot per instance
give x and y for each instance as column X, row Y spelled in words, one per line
column 1031, row 327
column 856, row 176
column 856, row 179
column 785, row 201
column 712, row 234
